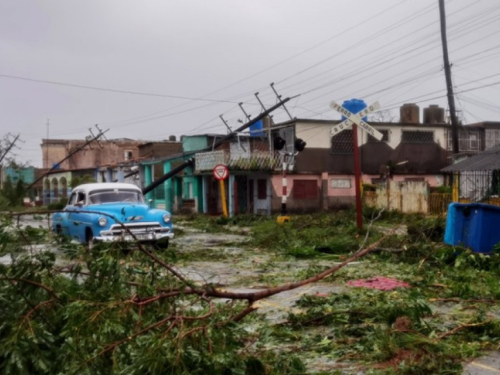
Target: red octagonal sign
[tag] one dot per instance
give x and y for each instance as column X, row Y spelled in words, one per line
column 220, row 172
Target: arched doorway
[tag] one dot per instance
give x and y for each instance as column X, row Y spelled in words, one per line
column 46, row 191
column 55, row 188
column 64, row 187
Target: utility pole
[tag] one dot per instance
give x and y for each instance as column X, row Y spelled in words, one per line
column 46, row 164
column 191, row 160
column 449, row 84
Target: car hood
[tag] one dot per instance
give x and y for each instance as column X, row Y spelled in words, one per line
column 128, row 212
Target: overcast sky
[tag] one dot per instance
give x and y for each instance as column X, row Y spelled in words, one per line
column 152, row 68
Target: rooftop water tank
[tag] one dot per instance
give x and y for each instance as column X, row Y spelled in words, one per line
column 409, row 113
column 434, row 114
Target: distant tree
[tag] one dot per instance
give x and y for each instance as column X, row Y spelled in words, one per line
column 13, row 195
column 79, row 180
column 383, row 116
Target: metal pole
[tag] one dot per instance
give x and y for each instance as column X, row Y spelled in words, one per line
column 449, row 84
column 284, row 192
column 357, row 177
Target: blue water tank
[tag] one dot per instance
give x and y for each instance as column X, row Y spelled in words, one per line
column 354, row 106
column 473, row 225
column 256, row 129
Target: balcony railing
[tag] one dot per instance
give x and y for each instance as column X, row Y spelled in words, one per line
column 257, row 160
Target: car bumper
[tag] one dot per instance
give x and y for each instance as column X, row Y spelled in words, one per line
column 141, row 237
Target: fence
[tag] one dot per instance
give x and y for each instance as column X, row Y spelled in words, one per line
column 408, row 197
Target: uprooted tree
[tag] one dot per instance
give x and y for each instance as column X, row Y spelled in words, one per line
column 102, row 313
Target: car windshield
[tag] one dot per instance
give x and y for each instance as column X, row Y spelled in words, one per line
column 112, row 196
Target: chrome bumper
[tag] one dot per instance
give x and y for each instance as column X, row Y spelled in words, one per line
column 143, row 232
column 140, row 237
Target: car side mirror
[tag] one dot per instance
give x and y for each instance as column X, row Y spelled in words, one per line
column 150, row 202
column 79, row 204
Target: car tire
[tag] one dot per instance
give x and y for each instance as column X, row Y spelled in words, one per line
column 89, row 238
column 161, row 245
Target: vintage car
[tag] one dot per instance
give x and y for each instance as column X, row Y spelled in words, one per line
column 101, row 211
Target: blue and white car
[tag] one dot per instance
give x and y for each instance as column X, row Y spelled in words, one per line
column 98, row 213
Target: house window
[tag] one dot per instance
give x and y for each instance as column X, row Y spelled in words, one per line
column 417, row 136
column 341, row 183
column 128, row 155
column 342, row 142
column 385, row 136
column 305, row 189
column 492, row 137
column 467, row 140
column 261, row 189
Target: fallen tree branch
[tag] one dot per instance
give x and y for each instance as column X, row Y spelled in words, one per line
column 460, row 327
column 462, row 300
column 31, row 282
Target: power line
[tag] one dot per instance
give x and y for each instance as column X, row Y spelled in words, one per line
column 86, row 87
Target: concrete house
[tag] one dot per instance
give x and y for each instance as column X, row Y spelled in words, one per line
column 324, row 171
column 109, row 152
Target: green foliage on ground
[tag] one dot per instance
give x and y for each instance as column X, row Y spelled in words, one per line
column 71, row 311
column 93, row 315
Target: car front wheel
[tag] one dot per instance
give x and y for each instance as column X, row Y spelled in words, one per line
column 89, row 238
column 161, row 244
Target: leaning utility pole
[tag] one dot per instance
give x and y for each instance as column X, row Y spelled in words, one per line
column 449, row 84
column 191, row 161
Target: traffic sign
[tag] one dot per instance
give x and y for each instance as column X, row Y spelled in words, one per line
column 355, row 119
column 220, row 172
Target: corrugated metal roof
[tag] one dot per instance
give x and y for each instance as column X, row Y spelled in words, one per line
column 485, row 161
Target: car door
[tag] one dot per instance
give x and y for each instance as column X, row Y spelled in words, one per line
column 64, row 217
column 76, row 219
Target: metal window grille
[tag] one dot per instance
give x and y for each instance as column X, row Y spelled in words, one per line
column 467, row 140
column 492, row 137
column 417, row 136
column 341, row 143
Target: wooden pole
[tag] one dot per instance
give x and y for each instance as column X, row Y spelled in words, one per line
column 357, row 177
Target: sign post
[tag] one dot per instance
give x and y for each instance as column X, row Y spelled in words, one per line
column 220, row 173
column 356, row 120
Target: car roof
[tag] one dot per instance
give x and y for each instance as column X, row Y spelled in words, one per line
column 106, row 185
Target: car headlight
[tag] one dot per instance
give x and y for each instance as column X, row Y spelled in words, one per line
column 167, row 218
column 102, row 221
